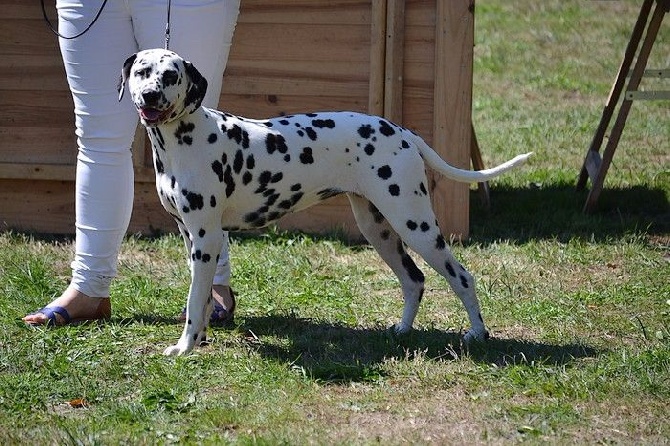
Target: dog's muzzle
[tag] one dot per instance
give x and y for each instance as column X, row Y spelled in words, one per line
column 152, row 115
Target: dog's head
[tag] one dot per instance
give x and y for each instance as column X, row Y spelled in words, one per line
column 162, row 85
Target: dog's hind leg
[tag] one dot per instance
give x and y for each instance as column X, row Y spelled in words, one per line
column 390, row 247
column 415, row 223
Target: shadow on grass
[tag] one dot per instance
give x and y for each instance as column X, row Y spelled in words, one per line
column 555, row 212
column 337, row 353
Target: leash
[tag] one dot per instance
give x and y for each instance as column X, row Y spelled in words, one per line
column 55, row 31
column 167, row 26
column 95, row 19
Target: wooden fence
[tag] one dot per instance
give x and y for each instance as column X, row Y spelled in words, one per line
column 410, row 61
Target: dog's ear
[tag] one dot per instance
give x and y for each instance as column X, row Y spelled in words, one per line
column 125, row 73
column 197, row 87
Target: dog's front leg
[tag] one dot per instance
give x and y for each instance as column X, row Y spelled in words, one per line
column 205, row 248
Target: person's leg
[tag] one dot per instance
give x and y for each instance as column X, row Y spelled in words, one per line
column 105, row 128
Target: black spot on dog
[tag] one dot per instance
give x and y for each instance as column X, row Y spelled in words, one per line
column 311, row 133
column 276, row 178
column 158, row 137
column 182, row 133
column 238, row 162
column 366, row 131
column 263, row 181
column 296, row 187
column 275, row 143
column 323, row 123
column 251, row 162
column 385, row 234
column 385, row 129
column 206, row 258
column 440, row 243
column 284, row 122
column 412, row 270
column 158, row 164
column 288, row 204
column 422, row 188
column 306, row 156
column 404, row 144
column 394, row 190
column 217, row 167
column 424, row 227
column 251, row 217
column 369, row 149
column 201, row 233
column 195, row 201
column 212, row 201
column 229, row 181
column 239, row 136
column 170, row 77
column 384, row 172
column 450, row 269
column 173, row 180
column 212, row 138
column 411, row 225
column 464, row 281
column 246, row 178
column 272, row 199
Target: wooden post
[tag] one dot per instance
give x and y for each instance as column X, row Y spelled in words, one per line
column 454, row 42
column 377, row 57
column 395, row 60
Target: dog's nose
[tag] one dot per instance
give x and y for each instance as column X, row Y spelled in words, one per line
column 151, row 97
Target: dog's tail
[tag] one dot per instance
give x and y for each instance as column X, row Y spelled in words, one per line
column 462, row 175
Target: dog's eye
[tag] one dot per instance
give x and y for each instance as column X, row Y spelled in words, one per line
column 170, row 77
column 143, row 72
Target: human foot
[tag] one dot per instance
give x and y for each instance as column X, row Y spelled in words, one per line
column 224, row 306
column 71, row 307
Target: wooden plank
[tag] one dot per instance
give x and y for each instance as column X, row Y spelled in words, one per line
column 36, row 109
column 454, row 43
column 315, row 42
column 339, row 12
column 377, row 58
column 395, row 57
column 47, row 145
column 59, row 172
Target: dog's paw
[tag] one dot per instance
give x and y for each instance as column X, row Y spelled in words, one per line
column 180, row 348
column 400, row 328
column 472, row 336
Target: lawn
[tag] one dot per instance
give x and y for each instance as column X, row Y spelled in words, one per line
column 578, row 305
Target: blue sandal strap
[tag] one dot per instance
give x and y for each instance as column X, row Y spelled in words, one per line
column 51, row 312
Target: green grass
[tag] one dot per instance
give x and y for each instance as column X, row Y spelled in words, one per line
column 578, row 305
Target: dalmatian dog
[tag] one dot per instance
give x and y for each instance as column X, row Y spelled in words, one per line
column 218, row 172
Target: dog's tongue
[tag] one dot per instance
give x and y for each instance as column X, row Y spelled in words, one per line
column 150, row 114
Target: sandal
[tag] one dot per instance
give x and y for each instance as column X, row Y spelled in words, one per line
column 221, row 316
column 52, row 321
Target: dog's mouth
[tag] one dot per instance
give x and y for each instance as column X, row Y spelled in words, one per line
column 151, row 115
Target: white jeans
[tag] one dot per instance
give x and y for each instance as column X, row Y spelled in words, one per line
column 201, row 31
